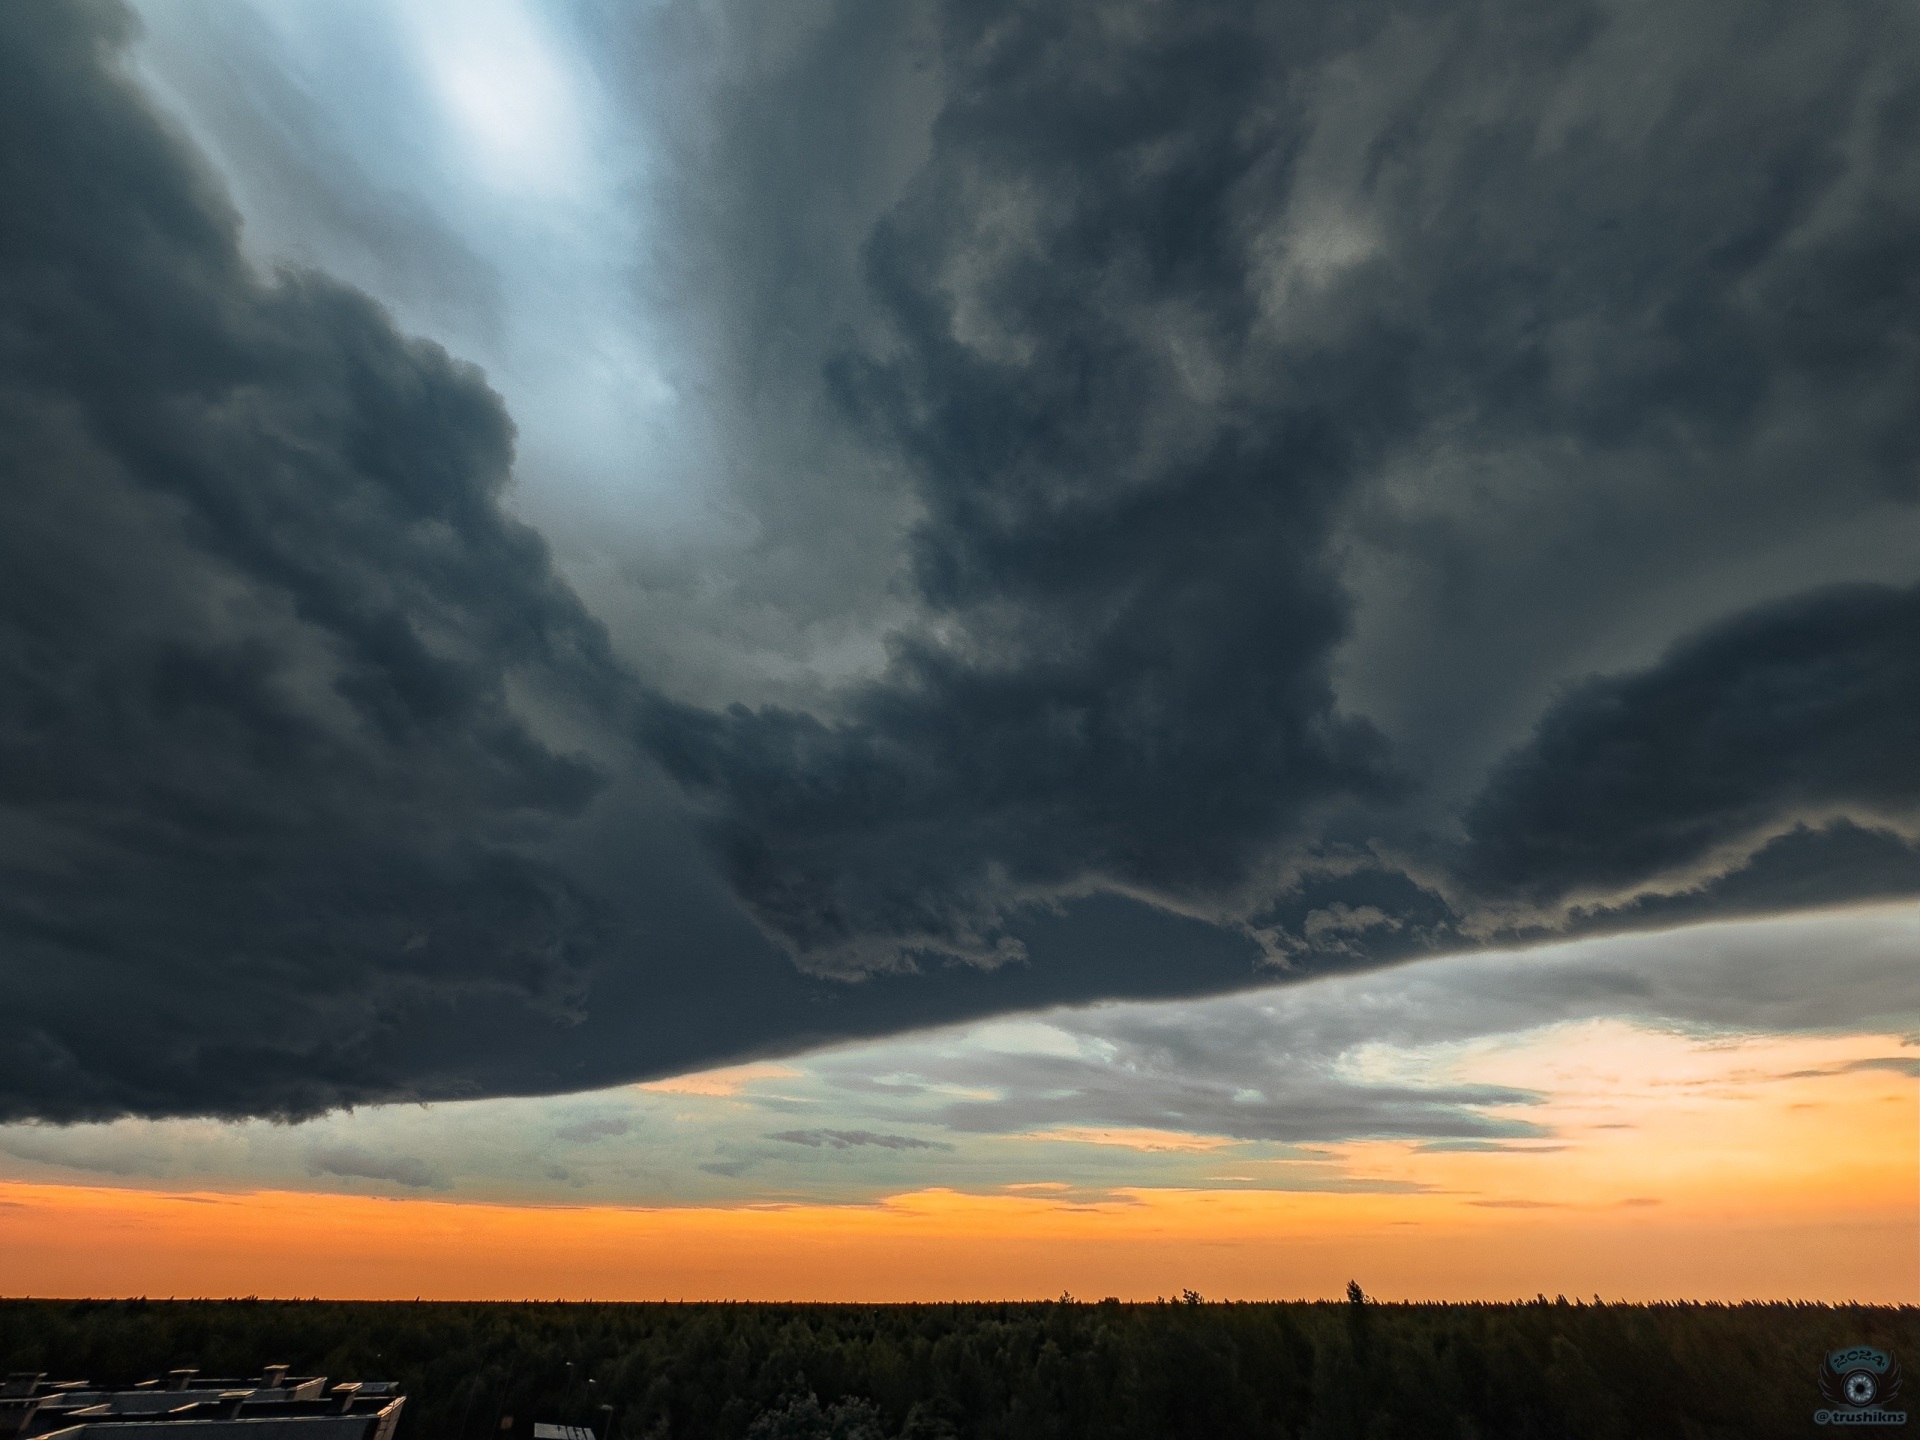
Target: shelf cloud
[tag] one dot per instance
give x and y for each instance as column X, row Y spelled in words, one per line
column 1205, row 493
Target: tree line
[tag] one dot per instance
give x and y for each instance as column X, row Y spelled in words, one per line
column 1055, row 1370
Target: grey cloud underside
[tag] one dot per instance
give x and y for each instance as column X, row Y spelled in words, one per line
column 1293, row 405
column 1296, row 1064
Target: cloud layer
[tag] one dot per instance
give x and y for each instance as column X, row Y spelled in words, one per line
column 1791, row 710
column 1514, row 1054
column 264, row 784
column 1221, row 345
column 1303, row 490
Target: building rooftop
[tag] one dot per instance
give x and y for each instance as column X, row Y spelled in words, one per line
column 184, row 1405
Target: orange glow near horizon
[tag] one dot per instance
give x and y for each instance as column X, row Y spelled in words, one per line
column 939, row 1245
column 1775, row 1167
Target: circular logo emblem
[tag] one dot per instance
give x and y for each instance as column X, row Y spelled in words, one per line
column 1861, row 1387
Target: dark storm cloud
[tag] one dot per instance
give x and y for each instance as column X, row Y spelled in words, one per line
column 308, row 792
column 262, row 783
column 1806, row 707
column 1180, row 301
column 1126, row 565
column 1282, row 414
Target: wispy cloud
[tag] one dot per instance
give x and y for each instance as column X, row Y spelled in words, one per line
column 854, row 1139
column 1149, row 1142
column 356, row 1162
column 597, row 1127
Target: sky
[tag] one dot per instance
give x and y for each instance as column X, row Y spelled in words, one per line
column 1591, row 1118
column 893, row 650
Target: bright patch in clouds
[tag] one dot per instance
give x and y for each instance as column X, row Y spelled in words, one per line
column 730, row 1080
column 508, row 88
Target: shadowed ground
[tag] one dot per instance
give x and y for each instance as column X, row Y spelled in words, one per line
column 1065, row 1368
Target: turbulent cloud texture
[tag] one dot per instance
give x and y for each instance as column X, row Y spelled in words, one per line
column 1213, row 325
column 1310, row 486
column 1802, row 708
column 263, row 611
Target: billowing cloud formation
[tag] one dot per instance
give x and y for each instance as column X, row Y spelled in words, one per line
column 315, row 780
column 263, row 612
column 1213, row 326
column 1255, row 431
column 1797, row 709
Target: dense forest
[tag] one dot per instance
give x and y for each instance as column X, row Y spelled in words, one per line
column 1052, row 1369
